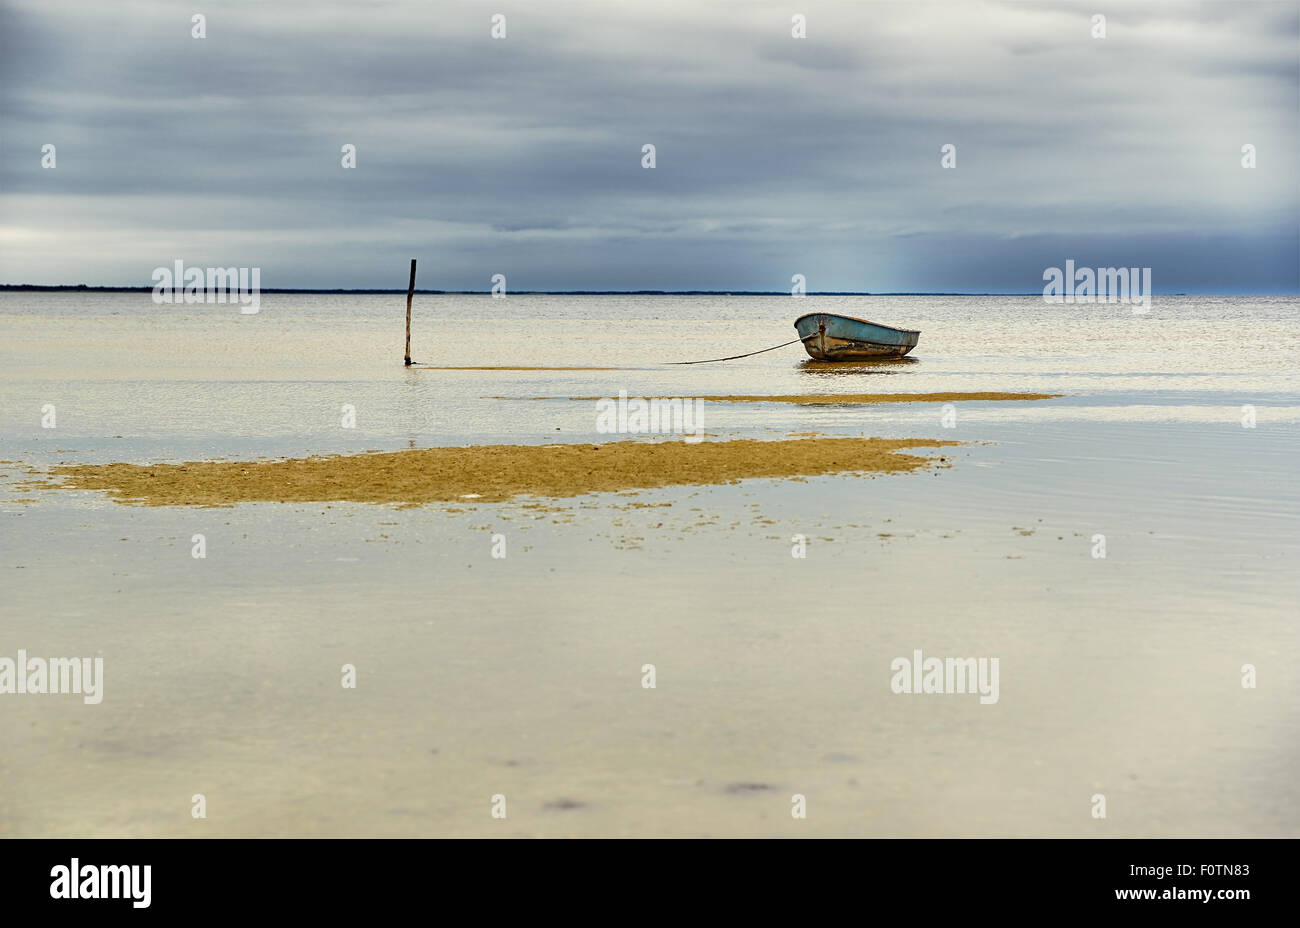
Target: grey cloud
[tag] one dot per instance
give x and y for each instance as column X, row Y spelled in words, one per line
column 773, row 153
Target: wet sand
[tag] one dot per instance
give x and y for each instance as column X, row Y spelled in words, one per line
column 489, row 473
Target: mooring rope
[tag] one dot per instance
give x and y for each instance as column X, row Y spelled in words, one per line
column 760, row 351
column 706, row 360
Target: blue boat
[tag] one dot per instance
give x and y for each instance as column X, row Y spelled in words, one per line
column 830, row 337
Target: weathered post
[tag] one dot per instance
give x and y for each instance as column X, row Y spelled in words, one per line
column 410, row 292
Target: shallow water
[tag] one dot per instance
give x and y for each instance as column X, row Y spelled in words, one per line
column 522, row 676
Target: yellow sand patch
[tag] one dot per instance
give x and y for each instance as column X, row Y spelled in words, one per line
column 488, row 473
column 422, row 367
column 826, row 399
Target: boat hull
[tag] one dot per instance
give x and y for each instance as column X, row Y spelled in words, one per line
column 828, row 337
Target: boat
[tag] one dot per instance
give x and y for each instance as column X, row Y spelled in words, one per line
column 831, row 337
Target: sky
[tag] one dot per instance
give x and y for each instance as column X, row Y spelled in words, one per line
column 774, row 156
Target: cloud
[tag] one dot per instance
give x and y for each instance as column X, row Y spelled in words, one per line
column 774, row 155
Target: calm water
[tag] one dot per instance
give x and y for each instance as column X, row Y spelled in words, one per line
column 522, row 676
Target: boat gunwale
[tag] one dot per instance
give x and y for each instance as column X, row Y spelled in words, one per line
column 856, row 319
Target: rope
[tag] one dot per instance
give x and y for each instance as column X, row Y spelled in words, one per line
column 707, row 360
column 735, row 356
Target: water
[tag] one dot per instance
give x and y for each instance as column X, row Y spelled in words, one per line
column 521, row 676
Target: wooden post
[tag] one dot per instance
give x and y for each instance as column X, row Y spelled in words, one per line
column 410, row 292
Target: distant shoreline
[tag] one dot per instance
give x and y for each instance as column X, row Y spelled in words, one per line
column 83, row 288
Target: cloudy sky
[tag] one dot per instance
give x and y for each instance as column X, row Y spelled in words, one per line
column 774, row 155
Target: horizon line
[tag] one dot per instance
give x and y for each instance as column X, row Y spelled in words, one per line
column 364, row 291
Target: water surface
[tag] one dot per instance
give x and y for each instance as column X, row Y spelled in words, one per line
column 522, row 675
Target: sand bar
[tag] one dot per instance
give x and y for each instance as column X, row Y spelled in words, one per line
column 426, row 367
column 489, row 473
column 825, row 399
